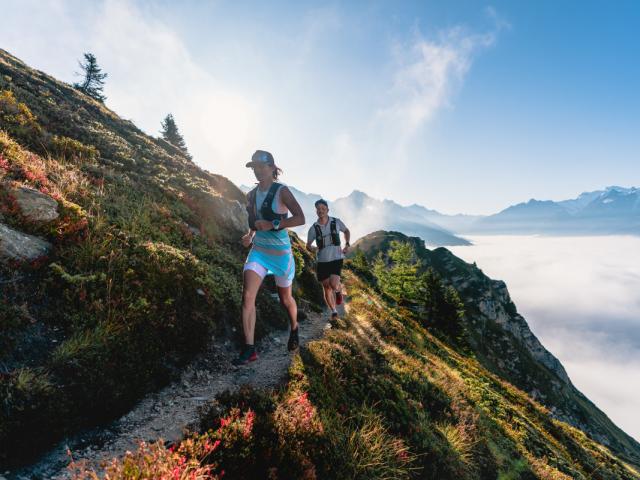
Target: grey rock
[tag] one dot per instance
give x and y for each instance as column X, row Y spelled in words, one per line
column 19, row 246
column 229, row 213
column 494, row 308
column 35, row 206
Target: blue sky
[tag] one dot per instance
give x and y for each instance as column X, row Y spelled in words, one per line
column 459, row 106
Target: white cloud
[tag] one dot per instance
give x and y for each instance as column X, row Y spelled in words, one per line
column 259, row 84
column 157, row 75
column 151, row 73
column 581, row 297
column 427, row 75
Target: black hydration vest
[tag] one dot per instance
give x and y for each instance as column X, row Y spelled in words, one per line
column 266, row 212
column 335, row 236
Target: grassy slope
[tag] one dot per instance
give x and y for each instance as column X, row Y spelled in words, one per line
column 145, row 263
column 493, row 346
column 382, row 398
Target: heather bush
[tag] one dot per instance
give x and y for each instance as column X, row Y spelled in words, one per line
column 68, row 149
column 17, row 119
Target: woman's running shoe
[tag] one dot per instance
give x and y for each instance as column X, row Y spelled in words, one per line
column 247, row 355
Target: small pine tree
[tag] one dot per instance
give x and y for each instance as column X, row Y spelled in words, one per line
column 442, row 305
column 359, row 260
column 171, row 134
column 399, row 280
column 93, row 82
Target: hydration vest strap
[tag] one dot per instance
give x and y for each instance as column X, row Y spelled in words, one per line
column 269, row 198
column 335, row 236
column 251, row 209
column 319, row 239
column 266, row 211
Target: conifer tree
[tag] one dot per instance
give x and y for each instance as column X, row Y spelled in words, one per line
column 399, row 280
column 360, row 260
column 171, row 134
column 93, row 82
column 442, row 305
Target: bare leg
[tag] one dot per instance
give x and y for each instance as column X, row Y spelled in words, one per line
column 329, row 295
column 289, row 303
column 334, row 281
column 252, row 282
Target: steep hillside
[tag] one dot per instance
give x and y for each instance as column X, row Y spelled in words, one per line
column 502, row 341
column 380, row 397
column 119, row 259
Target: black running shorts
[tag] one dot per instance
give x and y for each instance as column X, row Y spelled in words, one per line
column 326, row 269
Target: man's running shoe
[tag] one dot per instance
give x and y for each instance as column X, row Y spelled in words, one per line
column 338, row 297
column 247, row 355
column 293, row 342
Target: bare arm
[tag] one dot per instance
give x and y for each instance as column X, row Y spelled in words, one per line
column 310, row 240
column 247, row 238
column 297, row 215
column 347, row 238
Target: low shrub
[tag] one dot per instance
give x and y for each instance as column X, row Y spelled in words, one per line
column 68, row 149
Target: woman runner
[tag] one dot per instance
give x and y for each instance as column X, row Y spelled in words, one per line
column 268, row 206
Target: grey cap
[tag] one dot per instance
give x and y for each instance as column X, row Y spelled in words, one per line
column 261, row 157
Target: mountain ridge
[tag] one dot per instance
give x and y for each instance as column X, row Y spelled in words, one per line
column 614, row 210
column 490, row 311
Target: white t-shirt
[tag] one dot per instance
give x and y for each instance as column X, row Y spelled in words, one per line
column 330, row 252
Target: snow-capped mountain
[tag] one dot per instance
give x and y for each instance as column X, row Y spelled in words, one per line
column 613, row 210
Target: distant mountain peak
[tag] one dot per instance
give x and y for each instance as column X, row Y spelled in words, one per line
column 358, row 194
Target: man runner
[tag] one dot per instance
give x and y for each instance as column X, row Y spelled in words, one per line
column 325, row 232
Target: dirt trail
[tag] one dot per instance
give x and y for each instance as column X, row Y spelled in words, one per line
column 165, row 414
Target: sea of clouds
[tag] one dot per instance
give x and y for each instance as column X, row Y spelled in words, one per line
column 581, row 298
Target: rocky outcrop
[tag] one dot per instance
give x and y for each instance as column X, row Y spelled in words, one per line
column 34, row 206
column 494, row 306
column 21, row 247
column 231, row 213
column 228, row 213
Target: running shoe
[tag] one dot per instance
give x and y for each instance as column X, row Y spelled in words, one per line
column 338, row 297
column 293, row 342
column 247, row 355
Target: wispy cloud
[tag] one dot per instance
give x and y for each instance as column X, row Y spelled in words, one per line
column 303, row 85
column 158, row 75
column 424, row 76
column 151, row 72
column 429, row 71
